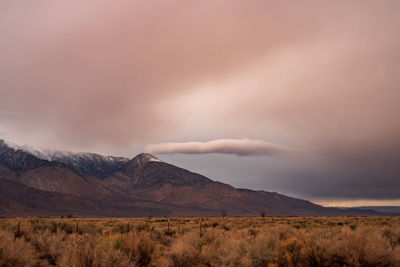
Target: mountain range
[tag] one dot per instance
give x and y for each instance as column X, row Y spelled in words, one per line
column 55, row 183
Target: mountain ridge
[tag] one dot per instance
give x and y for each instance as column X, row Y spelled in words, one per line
column 88, row 163
column 141, row 186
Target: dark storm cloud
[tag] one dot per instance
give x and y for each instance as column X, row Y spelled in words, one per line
column 321, row 78
column 95, row 72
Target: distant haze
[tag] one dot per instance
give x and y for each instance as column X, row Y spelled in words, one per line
column 318, row 78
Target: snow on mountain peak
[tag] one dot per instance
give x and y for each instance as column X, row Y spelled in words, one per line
column 146, row 157
column 29, row 149
column 56, row 155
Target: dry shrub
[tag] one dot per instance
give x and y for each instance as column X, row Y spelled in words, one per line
column 234, row 254
column 361, row 247
column 283, row 232
column 143, row 227
column 183, row 254
column 215, row 250
column 261, row 251
column 290, row 252
column 396, row 256
column 211, row 255
column 272, row 241
column 187, row 251
column 139, row 248
column 49, row 247
column 87, row 228
column 120, row 228
column 87, row 250
column 15, row 252
column 393, row 235
column 39, row 225
column 159, row 236
column 221, row 248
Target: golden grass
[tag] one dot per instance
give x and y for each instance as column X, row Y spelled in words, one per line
column 270, row 241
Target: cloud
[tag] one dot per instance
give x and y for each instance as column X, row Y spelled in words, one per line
column 111, row 77
column 84, row 74
column 239, row 147
column 96, row 72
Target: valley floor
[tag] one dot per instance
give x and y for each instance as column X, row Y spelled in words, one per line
column 192, row 241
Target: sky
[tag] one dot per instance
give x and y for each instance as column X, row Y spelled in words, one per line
column 300, row 97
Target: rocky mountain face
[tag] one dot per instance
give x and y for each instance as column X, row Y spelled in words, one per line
column 47, row 184
column 88, row 163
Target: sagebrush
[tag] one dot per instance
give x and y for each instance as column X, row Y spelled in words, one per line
column 264, row 241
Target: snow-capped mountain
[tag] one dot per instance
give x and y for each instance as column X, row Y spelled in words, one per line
column 88, row 163
column 26, row 148
column 89, row 184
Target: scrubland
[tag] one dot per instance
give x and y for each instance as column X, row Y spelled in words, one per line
column 269, row 241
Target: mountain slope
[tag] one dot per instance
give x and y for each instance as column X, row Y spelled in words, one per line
column 17, row 199
column 146, row 177
column 59, row 178
column 142, row 186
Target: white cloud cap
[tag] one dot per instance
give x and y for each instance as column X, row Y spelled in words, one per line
column 239, row 147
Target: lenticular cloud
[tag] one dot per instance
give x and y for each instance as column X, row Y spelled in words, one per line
column 239, row 147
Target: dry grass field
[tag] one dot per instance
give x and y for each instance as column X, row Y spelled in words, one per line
column 269, row 241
